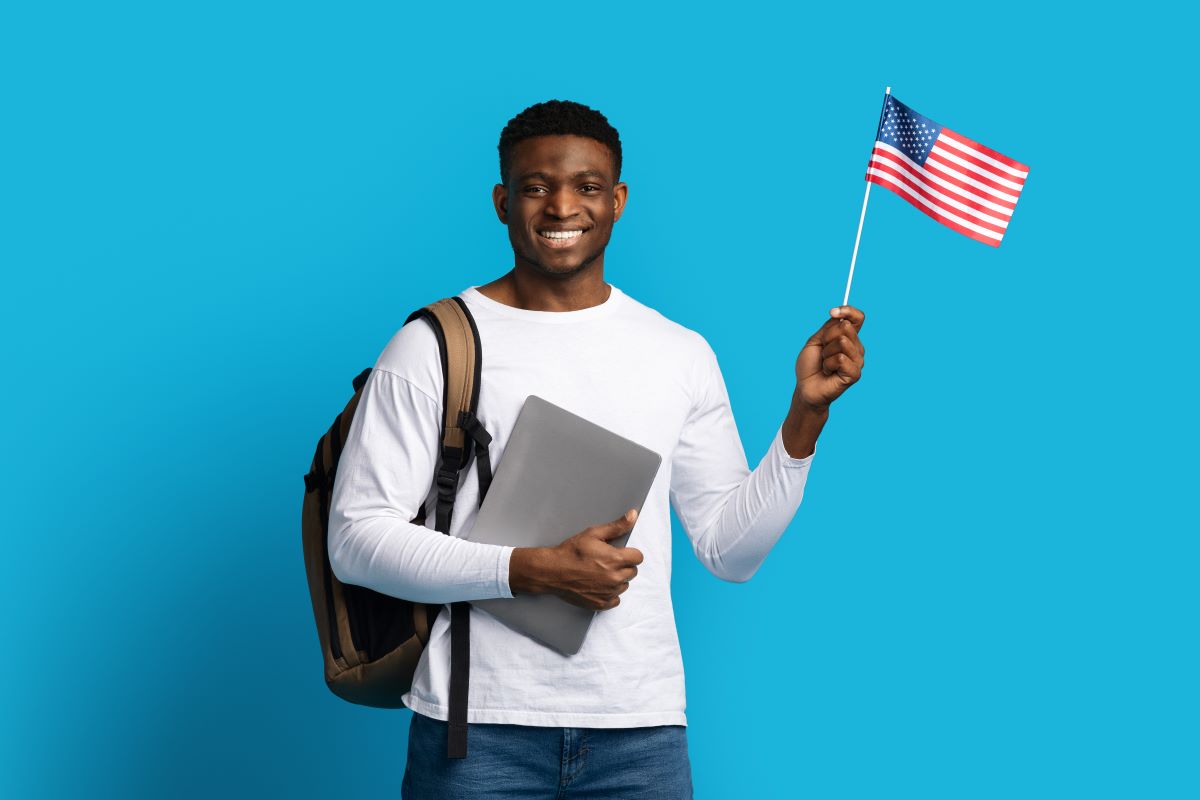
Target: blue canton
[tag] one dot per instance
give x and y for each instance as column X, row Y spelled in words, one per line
column 907, row 131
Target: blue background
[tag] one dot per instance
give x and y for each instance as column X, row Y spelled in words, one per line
column 215, row 214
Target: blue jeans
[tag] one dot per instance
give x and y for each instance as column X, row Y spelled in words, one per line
column 525, row 762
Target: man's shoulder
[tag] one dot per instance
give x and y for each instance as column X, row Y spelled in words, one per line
column 664, row 331
column 412, row 353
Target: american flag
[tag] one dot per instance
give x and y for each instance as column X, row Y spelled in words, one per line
column 958, row 182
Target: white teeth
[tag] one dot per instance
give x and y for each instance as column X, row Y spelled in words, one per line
column 560, row 234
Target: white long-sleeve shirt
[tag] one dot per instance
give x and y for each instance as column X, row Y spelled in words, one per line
column 625, row 367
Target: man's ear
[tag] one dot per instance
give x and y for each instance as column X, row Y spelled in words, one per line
column 620, row 195
column 500, row 201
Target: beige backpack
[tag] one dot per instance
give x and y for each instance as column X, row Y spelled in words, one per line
column 371, row 641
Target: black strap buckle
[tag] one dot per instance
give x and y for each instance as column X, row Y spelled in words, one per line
column 447, row 482
column 471, row 424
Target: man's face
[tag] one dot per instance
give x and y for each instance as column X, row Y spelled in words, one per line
column 560, row 202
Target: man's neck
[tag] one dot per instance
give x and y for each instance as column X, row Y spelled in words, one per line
column 533, row 291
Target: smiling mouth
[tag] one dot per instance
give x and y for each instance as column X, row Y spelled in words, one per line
column 558, row 240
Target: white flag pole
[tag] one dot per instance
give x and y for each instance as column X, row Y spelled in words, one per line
column 863, row 214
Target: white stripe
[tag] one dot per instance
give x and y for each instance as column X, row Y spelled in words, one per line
column 966, row 148
column 941, row 211
column 940, row 181
column 1003, row 223
column 942, row 152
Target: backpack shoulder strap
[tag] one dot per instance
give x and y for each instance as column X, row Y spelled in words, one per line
column 461, row 352
column 462, row 433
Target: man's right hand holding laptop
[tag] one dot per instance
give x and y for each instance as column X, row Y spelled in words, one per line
column 584, row 570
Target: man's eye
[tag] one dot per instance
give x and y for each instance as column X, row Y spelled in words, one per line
column 535, row 189
column 591, row 187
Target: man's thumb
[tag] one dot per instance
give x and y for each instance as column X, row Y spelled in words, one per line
column 620, row 525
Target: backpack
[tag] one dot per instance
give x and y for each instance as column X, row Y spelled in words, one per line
column 371, row 641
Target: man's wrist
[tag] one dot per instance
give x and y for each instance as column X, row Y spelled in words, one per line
column 802, row 427
column 526, row 570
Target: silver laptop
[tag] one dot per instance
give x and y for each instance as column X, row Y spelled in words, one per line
column 560, row 473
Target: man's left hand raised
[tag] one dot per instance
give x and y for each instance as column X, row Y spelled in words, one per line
column 831, row 360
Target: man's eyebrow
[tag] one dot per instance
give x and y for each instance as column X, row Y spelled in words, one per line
column 587, row 173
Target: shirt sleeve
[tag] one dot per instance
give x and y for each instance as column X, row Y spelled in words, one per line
column 384, row 475
column 732, row 516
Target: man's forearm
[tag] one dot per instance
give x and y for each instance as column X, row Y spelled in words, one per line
column 398, row 558
column 802, row 427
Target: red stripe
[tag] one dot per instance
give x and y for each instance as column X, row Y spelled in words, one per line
column 983, row 165
column 962, row 192
column 966, row 188
column 979, row 237
column 992, row 226
column 987, row 151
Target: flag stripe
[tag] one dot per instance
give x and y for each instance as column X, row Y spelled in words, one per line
column 983, row 160
column 970, row 184
column 994, row 242
column 948, row 183
column 937, row 210
column 966, row 207
column 954, row 160
column 987, row 151
column 952, row 193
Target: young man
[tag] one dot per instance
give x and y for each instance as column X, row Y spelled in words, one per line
column 608, row 721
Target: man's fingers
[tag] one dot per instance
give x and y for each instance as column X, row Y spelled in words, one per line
column 854, row 315
column 844, row 343
column 822, row 333
column 843, row 320
column 841, row 364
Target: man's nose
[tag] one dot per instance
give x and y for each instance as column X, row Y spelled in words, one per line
column 562, row 204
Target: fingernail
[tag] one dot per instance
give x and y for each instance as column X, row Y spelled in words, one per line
column 835, row 311
column 632, row 515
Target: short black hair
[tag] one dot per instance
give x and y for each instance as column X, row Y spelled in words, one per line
column 558, row 118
